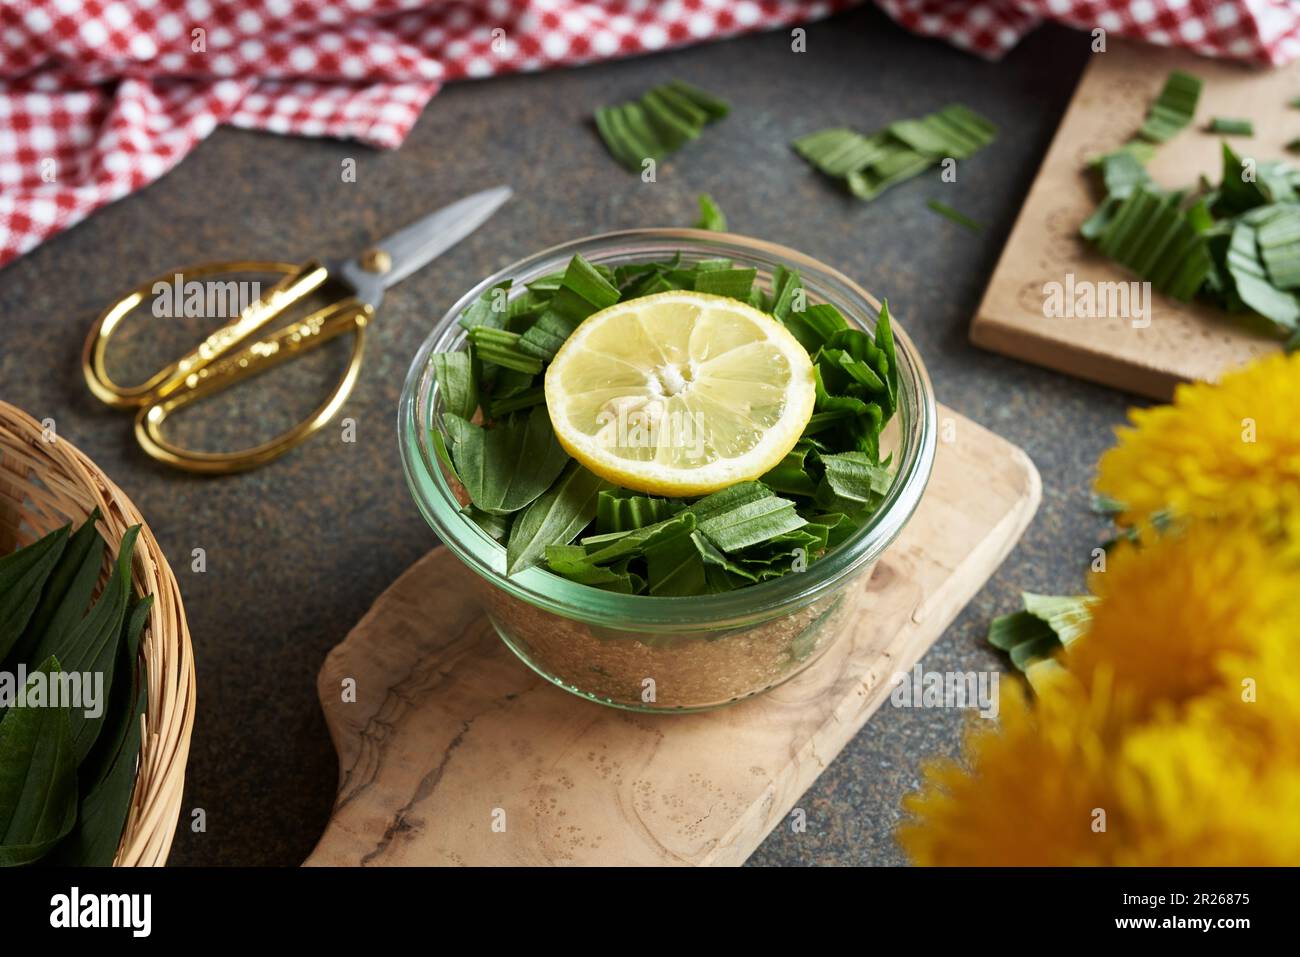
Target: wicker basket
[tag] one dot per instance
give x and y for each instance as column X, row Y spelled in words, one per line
column 46, row 482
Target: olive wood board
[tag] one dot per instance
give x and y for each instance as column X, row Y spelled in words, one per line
column 1183, row 341
column 450, row 734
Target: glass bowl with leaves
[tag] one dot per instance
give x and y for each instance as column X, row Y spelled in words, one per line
column 698, row 596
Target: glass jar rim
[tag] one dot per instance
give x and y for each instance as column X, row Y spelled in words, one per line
column 438, row 504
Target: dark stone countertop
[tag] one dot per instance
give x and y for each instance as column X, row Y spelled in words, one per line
column 296, row 552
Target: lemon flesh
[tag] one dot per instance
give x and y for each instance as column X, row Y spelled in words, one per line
column 680, row 393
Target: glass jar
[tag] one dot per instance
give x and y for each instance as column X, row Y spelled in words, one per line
column 649, row 653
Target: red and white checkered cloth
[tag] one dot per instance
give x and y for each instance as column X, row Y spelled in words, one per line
column 100, row 97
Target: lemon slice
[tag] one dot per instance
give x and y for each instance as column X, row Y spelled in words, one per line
column 680, row 393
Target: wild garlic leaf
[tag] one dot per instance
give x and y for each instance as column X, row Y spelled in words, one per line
column 554, row 518
column 38, row 778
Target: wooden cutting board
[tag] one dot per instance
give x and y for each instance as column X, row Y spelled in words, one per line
column 1183, row 342
column 450, row 732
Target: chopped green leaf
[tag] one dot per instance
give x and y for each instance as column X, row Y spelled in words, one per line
column 961, row 219
column 1231, row 127
column 1174, row 107
column 711, row 215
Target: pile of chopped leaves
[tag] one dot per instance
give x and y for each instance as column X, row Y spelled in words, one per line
column 868, row 165
column 1236, row 245
column 66, row 778
column 546, row 508
column 659, row 123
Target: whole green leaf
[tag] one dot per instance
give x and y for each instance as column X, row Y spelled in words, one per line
column 22, row 577
column 120, row 713
column 68, row 591
column 38, row 779
column 555, row 517
column 91, row 646
column 102, row 811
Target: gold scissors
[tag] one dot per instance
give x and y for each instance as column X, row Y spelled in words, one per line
column 214, row 364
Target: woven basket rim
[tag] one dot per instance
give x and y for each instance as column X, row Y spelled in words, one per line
column 46, row 481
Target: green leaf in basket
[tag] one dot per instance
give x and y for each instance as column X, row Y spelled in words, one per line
column 1174, row 107
column 92, row 645
column 38, row 778
column 22, row 577
column 554, row 518
column 102, row 812
column 457, row 381
column 67, row 593
column 107, row 776
column 119, row 713
column 489, row 461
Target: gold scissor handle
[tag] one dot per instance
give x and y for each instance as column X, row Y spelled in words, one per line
column 213, row 365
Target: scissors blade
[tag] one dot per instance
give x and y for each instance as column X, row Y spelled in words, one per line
column 425, row 239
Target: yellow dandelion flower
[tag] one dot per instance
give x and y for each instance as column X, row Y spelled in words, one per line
column 1227, row 450
column 1189, row 614
column 1165, row 735
column 1028, row 791
column 1191, row 796
column 1063, row 783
